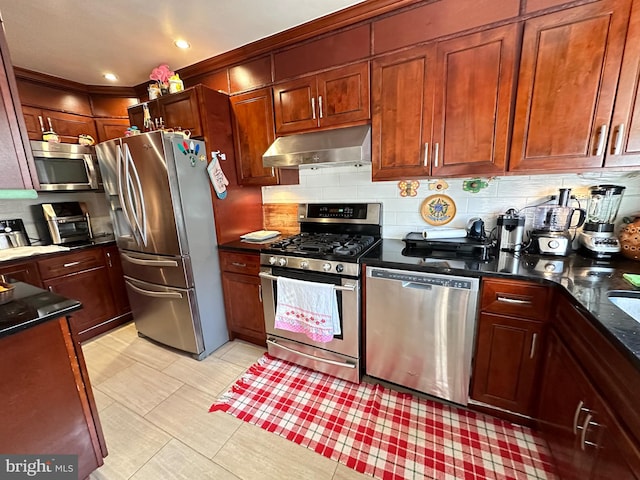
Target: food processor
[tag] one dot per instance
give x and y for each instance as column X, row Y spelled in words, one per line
column 597, row 238
column 551, row 225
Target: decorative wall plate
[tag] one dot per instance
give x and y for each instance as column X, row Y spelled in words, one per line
column 438, row 209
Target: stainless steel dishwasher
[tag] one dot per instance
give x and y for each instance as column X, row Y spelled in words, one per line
column 420, row 329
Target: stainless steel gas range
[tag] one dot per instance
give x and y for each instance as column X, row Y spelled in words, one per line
column 333, row 238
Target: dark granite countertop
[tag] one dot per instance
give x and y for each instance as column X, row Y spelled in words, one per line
column 31, row 306
column 98, row 241
column 586, row 280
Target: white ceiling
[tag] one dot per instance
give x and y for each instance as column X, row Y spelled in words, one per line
column 80, row 40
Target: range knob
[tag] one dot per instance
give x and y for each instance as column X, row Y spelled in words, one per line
column 272, row 260
column 326, row 267
column 304, row 264
column 282, row 262
column 339, row 268
column 553, row 244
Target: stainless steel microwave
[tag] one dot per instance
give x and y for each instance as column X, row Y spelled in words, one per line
column 65, row 166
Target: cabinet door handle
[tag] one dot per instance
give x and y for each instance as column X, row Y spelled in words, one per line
column 617, row 144
column 518, row 301
column 238, row 264
column 260, row 293
column 50, row 288
column 533, row 346
column 585, row 427
column 426, row 154
column 436, row 151
column 602, row 138
column 320, row 105
column 576, row 416
column 109, row 260
column 71, row 264
column 313, row 108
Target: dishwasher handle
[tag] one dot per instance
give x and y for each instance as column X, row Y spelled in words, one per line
column 417, row 286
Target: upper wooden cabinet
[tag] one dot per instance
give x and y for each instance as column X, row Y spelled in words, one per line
column 67, row 125
column 335, row 97
column 567, row 85
column 109, row 128
column 444, row 109
column 178, row 111
column 16, row 162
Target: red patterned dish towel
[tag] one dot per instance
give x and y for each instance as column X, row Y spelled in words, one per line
column 309, row 308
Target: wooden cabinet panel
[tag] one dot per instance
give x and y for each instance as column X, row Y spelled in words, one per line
column 32, row 123
column 474, row 88
column 335, row 97
column 402, row 106
column 26, row 272
column 343, row 95
column 45, row 400
column 295, row 105
column 65, row 264
column 116, row 280
column 253, row 132
column 566, row 87
column 251, row 74
column 516, row 298
column 109, row 128
column 624, row 139
column 437, row 19
column 67, row 125
column 507, row 359
column 92, row 289
column 181, row 110
column 243, row 296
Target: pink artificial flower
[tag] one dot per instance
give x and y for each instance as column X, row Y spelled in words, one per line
column 161, row 73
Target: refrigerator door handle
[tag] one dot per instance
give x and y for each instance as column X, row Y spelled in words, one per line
column 149, row 293
column 141, row 226
column 149, row 263
column 120, row 165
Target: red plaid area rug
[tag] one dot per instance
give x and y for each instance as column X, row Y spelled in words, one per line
column 381, row 432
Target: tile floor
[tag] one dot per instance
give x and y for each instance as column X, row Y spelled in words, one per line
column 153, row 405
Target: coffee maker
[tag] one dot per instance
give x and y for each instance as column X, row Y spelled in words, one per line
column 510, row 231
column 551, row 225
column 597, row 238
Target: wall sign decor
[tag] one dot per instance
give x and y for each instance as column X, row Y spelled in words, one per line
column 408, row 188
column 438, row 185
column 438, row 209
column 474, row 185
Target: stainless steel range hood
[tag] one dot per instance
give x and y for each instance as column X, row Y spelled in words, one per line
column 342, row 146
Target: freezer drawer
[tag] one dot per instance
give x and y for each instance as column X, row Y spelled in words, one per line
column 161, row 269
column 419, row 330
column 165, row 314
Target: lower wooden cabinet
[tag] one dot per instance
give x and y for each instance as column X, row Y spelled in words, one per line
column 47, row 403
column 26, row 272
column 509, row 346
column 243, row 296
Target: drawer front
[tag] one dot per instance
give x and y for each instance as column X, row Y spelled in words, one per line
column 246, row 263
column 70, row 263
column 516, row 298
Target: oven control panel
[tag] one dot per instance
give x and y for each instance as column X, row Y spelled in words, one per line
column 311, row 264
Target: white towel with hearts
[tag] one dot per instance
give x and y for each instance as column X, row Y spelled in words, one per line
column 307, row 307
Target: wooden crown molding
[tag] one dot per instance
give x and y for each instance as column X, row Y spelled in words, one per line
column 51, row 81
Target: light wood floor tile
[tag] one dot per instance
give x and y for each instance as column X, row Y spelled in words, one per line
column 139, row 387
column 345, row 473
column 223, row 349
column 243, row 354
column 176, row 461
column 131, row 441
column 253, row 453
column 102, row 399
column 143, row 350
column 185, row 415
column 103, row 362
column 210, row 375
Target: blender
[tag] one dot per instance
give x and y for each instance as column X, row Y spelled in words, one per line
column 597, row 238
column 551, row 225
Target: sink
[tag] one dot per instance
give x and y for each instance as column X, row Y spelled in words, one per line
column 626, row 300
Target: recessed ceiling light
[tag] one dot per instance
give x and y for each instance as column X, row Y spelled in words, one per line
column 111, row 76
column 182, row 44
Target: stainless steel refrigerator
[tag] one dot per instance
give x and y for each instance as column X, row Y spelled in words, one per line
column 158, row 190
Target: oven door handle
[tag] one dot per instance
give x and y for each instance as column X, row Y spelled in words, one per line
column 348, row 287
column 312, row 357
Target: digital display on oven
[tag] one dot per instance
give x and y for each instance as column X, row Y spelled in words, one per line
column 350, row 211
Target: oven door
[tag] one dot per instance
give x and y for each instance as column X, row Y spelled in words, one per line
column 339, row 357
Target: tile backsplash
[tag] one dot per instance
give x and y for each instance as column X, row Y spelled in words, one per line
column 402, row 214
column 96, row 204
